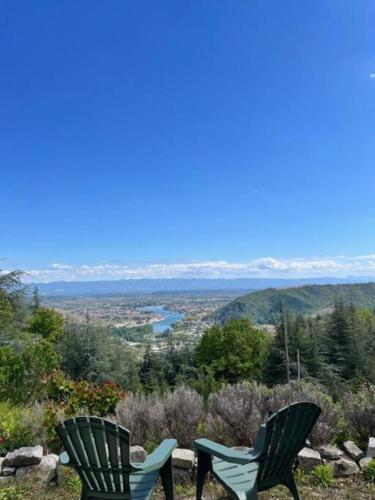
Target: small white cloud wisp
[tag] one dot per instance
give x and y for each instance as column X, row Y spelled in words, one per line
column 265, row 267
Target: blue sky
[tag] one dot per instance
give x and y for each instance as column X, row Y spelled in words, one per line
column 211, row 138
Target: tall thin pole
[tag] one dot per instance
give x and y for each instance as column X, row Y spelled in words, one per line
column 298, row 367
column 286, row 345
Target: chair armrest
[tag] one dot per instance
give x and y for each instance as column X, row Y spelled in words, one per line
column 64, row 458
column 223, row 452
column 158, row 457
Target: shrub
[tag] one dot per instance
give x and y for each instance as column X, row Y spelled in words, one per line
column 322, row 475
column 327, row 424
column 22, row 373
column 81, row 395
column 143, row 416
column 184, row 412
column 178, row 414
column 359, row 414
column 236, row 412
column 13, row 433
column 369, row 473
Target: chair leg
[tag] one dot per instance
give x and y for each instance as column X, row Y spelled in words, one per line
column 84, row 495
column 290, row 483
column 166, row 474
column 204, row 466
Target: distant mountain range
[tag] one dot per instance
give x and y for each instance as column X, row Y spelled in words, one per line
column 264, row 306
column 143, row 286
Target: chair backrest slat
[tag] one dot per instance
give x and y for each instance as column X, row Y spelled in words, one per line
column 75, row 439
column 113, row 452
column 286, row 434
column 86, row 433
column 98, row 431
column 125, row 455
column 99, row 450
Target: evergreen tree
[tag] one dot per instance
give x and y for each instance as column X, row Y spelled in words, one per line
column 340, row 349
column 35, row 299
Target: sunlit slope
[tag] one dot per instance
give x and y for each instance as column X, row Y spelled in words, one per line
column 264, row 306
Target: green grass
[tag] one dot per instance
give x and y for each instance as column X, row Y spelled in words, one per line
column 323, row 476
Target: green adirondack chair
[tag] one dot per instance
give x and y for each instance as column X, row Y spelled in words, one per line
column 99, row 451
column 269, row 463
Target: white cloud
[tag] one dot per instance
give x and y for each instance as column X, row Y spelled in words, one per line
column 335, row 266
column 372, row 76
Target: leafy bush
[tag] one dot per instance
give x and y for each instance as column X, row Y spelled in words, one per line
column 359, row 414
column 327, row 424
column 369, row 472
column 236, row 412
column 322, row 475
column 13, row 432
column 81, row 395
column 28, row 427
column 23, row 370
column 184, row 412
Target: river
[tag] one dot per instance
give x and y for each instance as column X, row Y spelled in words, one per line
column 169, row 316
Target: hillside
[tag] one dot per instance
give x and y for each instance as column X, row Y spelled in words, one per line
column 263, row 306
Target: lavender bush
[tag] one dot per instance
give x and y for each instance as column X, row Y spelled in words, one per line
column 236, row 412
column 184, row 414
column 327, row 424
column 359, row 414
column 178, row 414
column 143, row 416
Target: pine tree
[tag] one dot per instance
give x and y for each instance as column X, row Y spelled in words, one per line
column 35, row 299
column 340, row 350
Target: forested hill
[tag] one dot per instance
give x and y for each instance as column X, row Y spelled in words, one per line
column 263, row 306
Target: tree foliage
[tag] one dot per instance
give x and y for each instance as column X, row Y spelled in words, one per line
column 233, row 352
column 47, row 323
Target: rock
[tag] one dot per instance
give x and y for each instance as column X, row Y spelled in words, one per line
column 344, row 466
column 137, row 454
column 308, row 459
column 23, row 457
column 330, row 452
column 183, row 476
column 365, row 462
column 8, row 471
column 43, row 473
column 183, row 458
column 5, row 481
column 352, row 450
column 371, row 448
column 308, row 443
